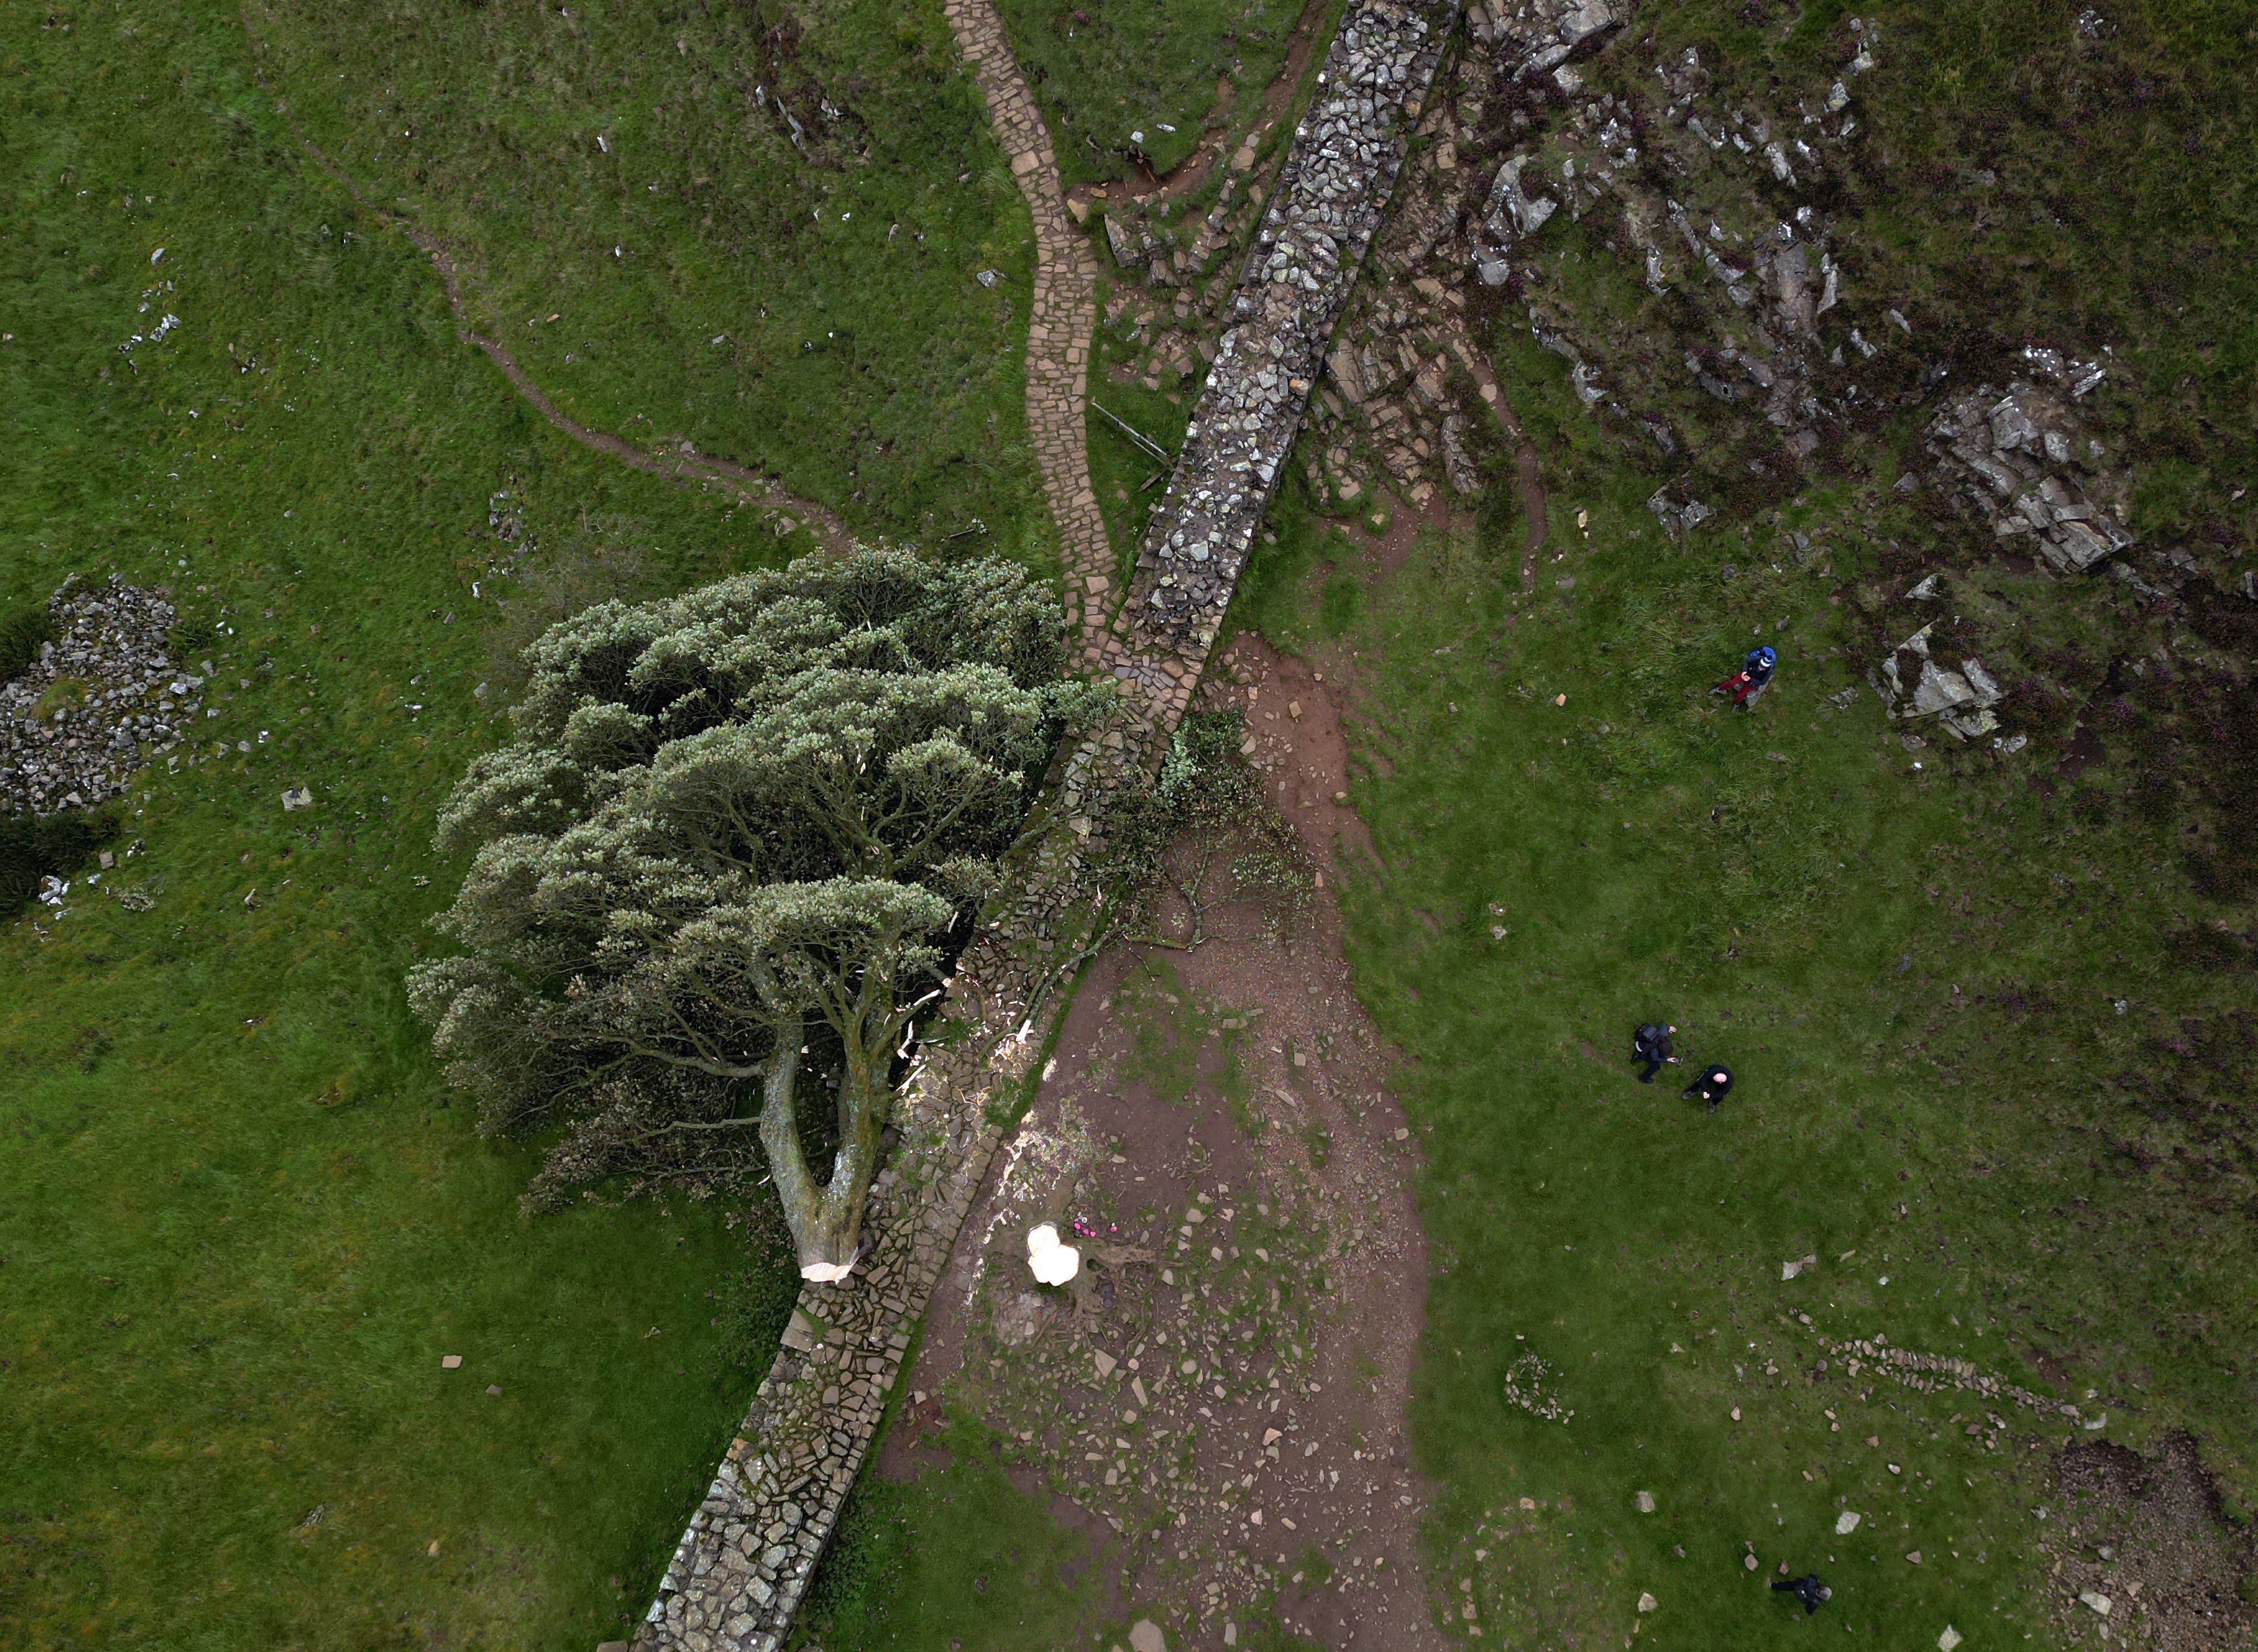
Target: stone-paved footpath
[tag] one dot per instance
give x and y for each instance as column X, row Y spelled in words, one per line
column 1059, row 328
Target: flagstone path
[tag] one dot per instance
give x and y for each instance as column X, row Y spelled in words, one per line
column 1065, row 311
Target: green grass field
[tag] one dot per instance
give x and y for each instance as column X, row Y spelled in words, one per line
column 957, row 1557
column 1913, row 977
column 1143, row 77
column 759, row 228
column 241, row 1219
column 1991, row 1039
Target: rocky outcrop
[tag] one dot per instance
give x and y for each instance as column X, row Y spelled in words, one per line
column 1959, row 692
column 2023, row 464
column 1540, row 34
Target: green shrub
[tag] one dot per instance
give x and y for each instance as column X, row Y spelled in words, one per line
column 189, row 638
column 21, row 630
column 34, row 847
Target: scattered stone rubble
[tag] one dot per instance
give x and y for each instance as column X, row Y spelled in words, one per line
column 99, row 702
column 1933, row 1374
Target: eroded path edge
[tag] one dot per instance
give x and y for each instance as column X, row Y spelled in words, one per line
column 674, row 459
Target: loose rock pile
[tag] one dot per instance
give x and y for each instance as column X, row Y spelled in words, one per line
column 1933, row 1374
column 1960, row 695
column 99, row 701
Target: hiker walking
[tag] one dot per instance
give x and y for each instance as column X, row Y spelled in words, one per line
column 1755, row 674
column 1651, row 1044
column 1807, row 1588
column 1710, row 1086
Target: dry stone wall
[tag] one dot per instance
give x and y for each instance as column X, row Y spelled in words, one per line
column 1323, row 213
column 740, row 1572
column 741, row 1567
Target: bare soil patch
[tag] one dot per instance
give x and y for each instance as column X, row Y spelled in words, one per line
column 1224, row 1386
column 2145, row 1539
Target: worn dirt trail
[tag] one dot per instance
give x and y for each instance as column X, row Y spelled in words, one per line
column 1065, row 311
column 1222, row 1408
column 672, row 458
column 1147, row 187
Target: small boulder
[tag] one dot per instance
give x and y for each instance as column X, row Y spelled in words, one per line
column 1125, row 247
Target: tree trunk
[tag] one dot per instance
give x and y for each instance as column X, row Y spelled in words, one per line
column 829, row 1238
column 826, row 1221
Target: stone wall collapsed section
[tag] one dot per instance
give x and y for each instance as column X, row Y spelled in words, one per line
column 1324, row 210
column 743, row 1565
column 99, row 701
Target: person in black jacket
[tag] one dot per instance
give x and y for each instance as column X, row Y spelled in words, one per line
column 1807, row 1588
column 1651, row 1044
column 1711, row 1085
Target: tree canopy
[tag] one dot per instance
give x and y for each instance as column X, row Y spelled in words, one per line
column 736, row 839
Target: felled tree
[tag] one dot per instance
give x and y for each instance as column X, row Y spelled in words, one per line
column 725, row 862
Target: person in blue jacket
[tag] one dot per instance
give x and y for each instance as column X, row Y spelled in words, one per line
column 1755, row 674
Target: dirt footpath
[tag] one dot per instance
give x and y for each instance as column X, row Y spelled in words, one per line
column 1221, row 1395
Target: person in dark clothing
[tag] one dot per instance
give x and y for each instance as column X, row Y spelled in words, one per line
column 1651, row 1044
column 1711, row 1086
column 1755, row 674
column 1807, row 1588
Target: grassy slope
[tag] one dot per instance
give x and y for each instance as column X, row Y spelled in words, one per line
column 1104, row 72
column 241, row 1219
column 859, row 359
column 958, row 1556
column 1915, row 974
column 1597, row 1219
